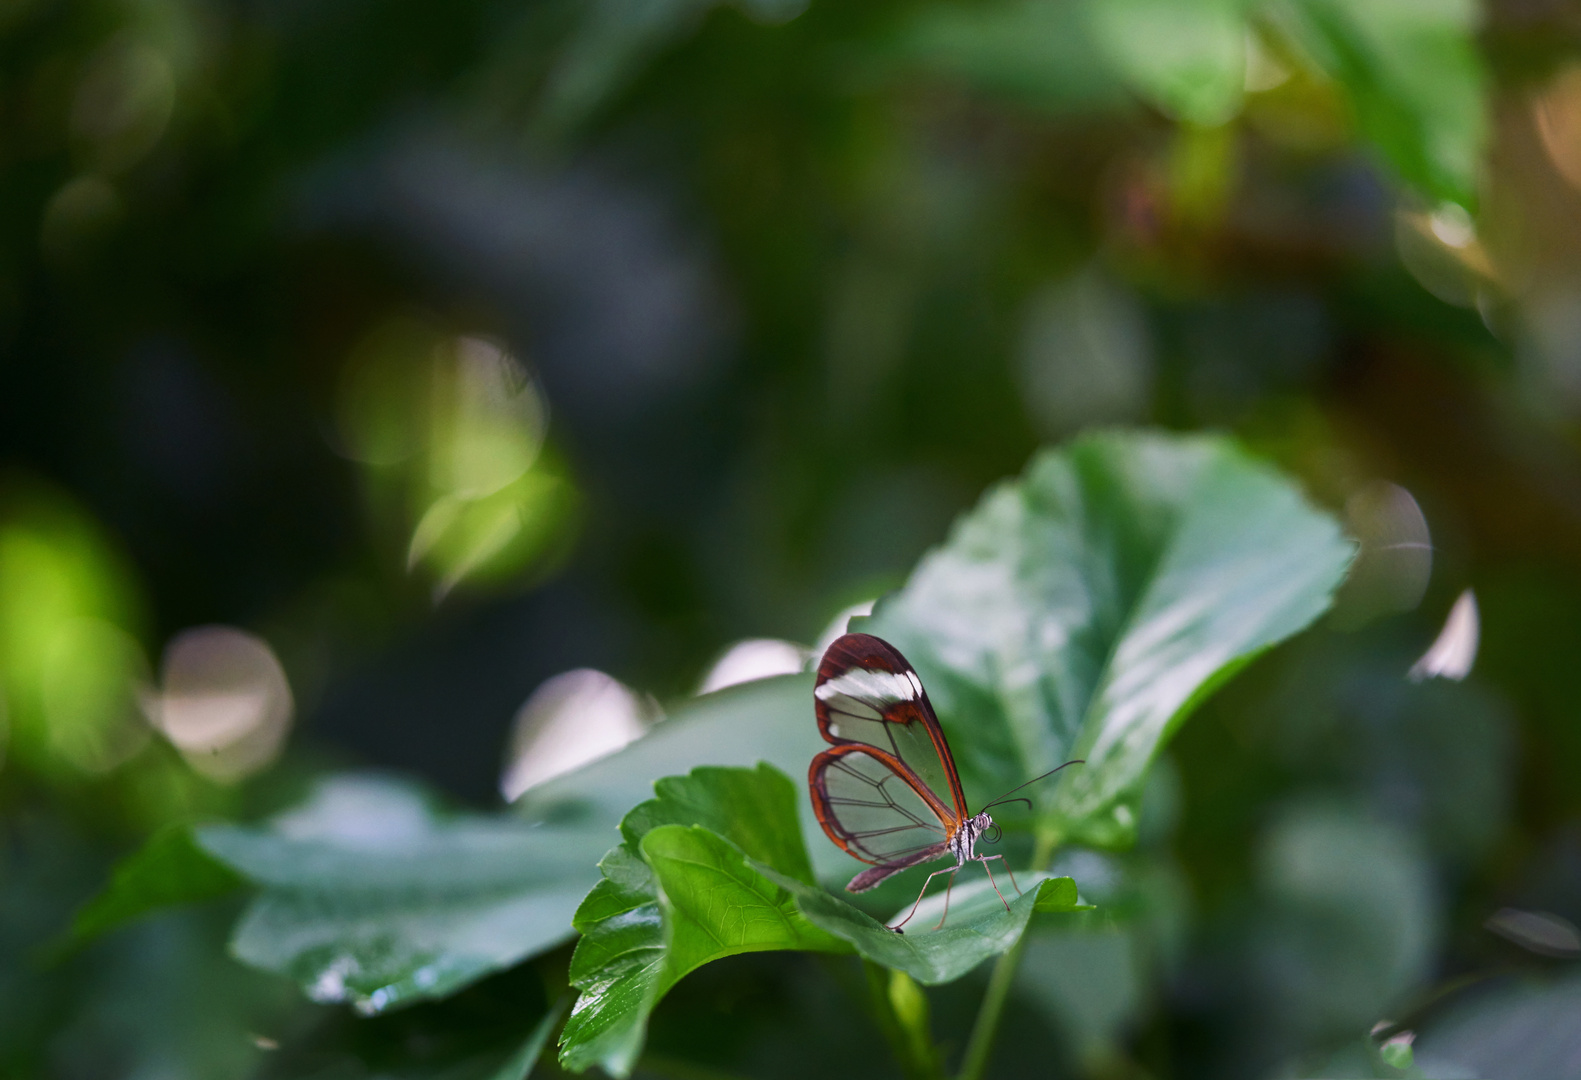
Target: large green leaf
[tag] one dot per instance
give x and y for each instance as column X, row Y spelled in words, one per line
column 677, row 893
column 1084, row 609
column 370, row 896
column 715, row 866
column 979, row 925
column 716, row 903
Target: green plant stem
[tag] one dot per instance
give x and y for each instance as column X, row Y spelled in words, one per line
column 911, row 1044
column 981, row 1043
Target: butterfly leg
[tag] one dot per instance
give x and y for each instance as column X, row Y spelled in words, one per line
column 1006, row 865
column 984, row 860
column 955, row 870
column 924, row 892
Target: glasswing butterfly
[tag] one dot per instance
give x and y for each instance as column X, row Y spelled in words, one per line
column 886, row 791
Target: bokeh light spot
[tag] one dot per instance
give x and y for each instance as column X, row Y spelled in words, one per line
column 754, row 658
column 1395, row 561
column 571, row 720
column 223, row 701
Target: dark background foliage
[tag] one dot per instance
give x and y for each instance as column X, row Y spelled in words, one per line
column 791, row 285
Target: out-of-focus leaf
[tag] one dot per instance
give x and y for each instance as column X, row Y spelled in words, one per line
column 1522, row 1032
column 371, row 897
column 615, row 38
column 1031, row 50
column 1087, row 978
column 1083, row 611
column 637, row 942
column 519, row 1065
column 1411, row 71
column 1396, row 1052
column 169, row 869
column 1351, row 918
column 1187, row 59
column 1443, row 750
column 768, row 720
column 493, row 536
column 69, row 662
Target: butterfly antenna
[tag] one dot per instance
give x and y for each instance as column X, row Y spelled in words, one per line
column 1006, row 796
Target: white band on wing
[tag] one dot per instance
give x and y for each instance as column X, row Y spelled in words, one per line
column 872, row 687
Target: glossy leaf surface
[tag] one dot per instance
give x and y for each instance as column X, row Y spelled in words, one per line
column 372, row 897
column 1082, row 610
column 735, row 878
column 663, row 910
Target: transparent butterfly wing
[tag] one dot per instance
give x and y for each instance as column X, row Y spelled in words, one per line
column 868, row 805
column 868, row 695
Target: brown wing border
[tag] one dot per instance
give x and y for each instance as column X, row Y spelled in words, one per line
column 865, row 650
column 827, row 818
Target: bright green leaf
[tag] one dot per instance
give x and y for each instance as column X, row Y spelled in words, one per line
column 1083, row 610
column 622, row 964
column 618, row 967
column 753, row 809
column 678, row 894
column 715, row 904
column 1413, row 76
column 1189, row 59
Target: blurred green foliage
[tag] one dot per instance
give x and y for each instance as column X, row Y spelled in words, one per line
column 447, row 348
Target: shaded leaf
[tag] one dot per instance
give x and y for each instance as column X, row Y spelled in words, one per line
column 1520, row 1030
column 519, row 1064
column 1029, row 50
column 169, row 869
column 495, row 1030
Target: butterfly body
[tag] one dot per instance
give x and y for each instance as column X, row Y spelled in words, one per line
column 886, row 791
column 963, row 844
